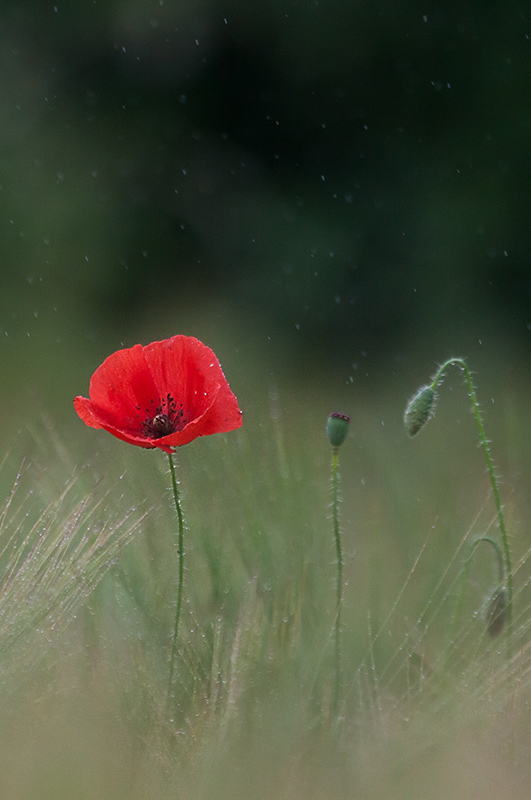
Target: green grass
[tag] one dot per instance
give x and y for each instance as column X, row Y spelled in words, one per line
column 427, row 709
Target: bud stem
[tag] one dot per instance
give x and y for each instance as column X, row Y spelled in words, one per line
column 339, row 600
column 465, row 570
column 437, row 379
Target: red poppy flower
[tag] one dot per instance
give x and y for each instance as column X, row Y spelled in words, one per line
column 162, row 395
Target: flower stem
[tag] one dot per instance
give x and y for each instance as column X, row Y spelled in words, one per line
column 490, row 468
column 339, row 600
column 180, row 551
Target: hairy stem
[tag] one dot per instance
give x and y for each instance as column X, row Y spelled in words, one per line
column 494, row 483
column 465, row 570
column 339, row 599
column 180, row 551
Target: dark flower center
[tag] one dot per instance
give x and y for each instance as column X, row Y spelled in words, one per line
column 162, row 425
column 166, row 419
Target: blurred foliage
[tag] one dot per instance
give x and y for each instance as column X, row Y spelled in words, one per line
column 351, row 172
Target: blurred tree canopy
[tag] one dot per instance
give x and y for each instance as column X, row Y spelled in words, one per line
column 346, row 168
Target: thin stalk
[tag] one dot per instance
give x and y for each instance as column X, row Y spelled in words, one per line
column 465, row 570
column 180, row 545
column 490, row 468
column 339, row 598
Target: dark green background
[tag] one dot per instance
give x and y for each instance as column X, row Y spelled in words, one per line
column 301, row 184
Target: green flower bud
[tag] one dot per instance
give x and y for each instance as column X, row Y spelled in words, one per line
column 419, row 409
column 337, row 428
column 496, row 613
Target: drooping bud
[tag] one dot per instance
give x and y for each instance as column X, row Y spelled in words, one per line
column 337, row 428
column 419, row 409
column 496, row 613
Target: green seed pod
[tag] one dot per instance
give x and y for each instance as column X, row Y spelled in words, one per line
column 419, row 410
column 496, row 613
column 337, row 428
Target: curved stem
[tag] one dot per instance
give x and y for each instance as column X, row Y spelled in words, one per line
column 465, row 569
column 490, row 468
column 496, row 547
column 181, row 571
column 339, row 600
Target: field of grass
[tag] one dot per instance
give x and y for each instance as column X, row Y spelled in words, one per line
column 430, row 705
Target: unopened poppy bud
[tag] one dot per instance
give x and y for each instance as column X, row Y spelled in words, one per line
column 496, row 613
column 419, row 410
column 337, row 428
